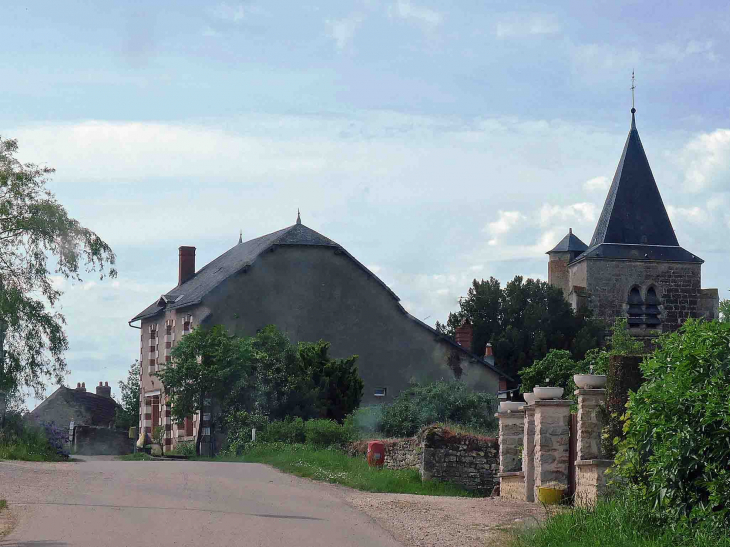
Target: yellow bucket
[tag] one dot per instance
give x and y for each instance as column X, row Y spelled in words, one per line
column 549, row 496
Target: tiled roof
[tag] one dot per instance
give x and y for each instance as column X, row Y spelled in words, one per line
column 570, row 242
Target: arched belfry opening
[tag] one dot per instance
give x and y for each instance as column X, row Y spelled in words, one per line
column 651, row 309
column 636, row 308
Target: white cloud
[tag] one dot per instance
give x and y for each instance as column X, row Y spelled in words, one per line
column 229, row 12
column 675, row 52
column 600, row 59
column 581, row 212
column 506, row 221
column 706, row 161
column 596, row 183
column 342, row 31
column 405, row 9
column 518, row 25
column 694, row 215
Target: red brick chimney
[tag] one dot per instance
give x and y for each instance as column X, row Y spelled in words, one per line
column 81, row 386
column 488, row 352
column 187, row 264
column 464, row 334
column 104, row 390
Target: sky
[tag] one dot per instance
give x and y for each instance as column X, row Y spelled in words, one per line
column 436, row 141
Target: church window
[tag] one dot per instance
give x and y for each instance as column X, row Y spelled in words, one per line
column 651, row 309
column 636, row 308
column 643, row 311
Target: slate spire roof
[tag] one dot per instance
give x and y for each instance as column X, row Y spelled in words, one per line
column 570, row 242
column 634, row 223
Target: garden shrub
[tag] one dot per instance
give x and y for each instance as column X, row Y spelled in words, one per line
column 238, row 426
column 677, row 425
column 23, row 441
column 289, row 431
column 425, row 404
column 325, row 433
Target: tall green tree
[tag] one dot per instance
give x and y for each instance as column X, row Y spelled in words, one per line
column 128, row 415
column 523, row 320
column 725, row 311
column 37, row 237
column 205, row 364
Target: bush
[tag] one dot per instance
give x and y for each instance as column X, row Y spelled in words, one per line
column 184, row 448
column 450, row 402
column 22, row 441
column 677, row 445
column 324, row 433
column 285, row 431
column 238, row 427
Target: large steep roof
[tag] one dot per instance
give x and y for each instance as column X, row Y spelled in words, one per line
column 634, row 223
column 244, row 254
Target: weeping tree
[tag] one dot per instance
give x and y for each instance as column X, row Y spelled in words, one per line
column 37, row 239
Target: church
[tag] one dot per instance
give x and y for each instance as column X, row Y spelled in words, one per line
column 634, row 266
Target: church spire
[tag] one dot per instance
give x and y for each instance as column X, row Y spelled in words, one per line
column 634, row 213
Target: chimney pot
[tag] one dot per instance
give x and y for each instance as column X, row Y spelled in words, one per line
column 78, row 385
column 186, row 265
column 106, row 383
column 83, row 384
column 489, row 351
column 99, row 384
column 104, row 391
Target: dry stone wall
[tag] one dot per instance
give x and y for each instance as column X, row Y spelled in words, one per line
column 440, row 454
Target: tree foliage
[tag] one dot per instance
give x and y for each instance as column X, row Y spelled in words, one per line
column 37, row 235
column 523, row 320
column 128, row 415
column 725, row 311
column 677, row 427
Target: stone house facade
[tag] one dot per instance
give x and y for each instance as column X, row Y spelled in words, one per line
column 634, row 266
column 311, row 288
column 66, row 405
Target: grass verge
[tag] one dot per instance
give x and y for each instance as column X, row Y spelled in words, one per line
column 28, row 452
column 334, row 466
column 615, row 522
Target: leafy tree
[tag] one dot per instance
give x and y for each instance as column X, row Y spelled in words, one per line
column 128, row 415
column 676, row 448
column 555, row 369
column 34, row 227
column 206, row 363
column 523, row 321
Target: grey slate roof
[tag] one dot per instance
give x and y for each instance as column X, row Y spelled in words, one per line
column 570, row 242
column 245, row 253
column 101, row 409
column 634, row 222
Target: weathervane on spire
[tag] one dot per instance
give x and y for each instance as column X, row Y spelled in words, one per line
column 299, row 218
column 633, row 86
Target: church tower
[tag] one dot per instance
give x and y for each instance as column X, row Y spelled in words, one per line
column 634, row 266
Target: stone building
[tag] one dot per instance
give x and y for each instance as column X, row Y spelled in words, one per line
column 311, row 288
column 66, row 405
column 634, row 266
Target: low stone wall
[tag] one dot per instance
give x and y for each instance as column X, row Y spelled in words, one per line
column 399, row 453
column 440, row 454
column 90, row 440
column 472, row 462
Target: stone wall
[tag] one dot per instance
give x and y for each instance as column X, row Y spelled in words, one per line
column 512, row 486
column 472, row 462
column 590, row 480
column 399, row 453
column 440, row 454
column 90, row 440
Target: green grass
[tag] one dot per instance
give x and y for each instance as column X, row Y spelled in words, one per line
column 334, row 466
column 29, row 452
column 135, row 457
column 3, row 504
column 617, row 522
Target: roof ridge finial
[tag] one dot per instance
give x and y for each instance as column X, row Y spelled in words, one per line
column 299, row 218
column 633, row 103
column 570, row 231
column 240, row 237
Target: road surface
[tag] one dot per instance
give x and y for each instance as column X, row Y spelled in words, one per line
column 101, row 502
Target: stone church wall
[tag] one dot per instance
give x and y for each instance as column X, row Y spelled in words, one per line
column 678, row 286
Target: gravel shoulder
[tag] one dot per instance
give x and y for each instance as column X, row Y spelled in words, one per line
column 426, row 521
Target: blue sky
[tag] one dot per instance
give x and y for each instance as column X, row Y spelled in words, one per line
column 436, row 141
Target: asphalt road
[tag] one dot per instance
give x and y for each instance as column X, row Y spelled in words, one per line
column 100, row 502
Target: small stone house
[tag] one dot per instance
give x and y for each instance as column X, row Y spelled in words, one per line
column 311, row 288
column 634, row 266
column 66, row 405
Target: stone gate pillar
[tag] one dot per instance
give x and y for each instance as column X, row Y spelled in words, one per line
column 528, row 453
column 590, row 463
column 552, row 443
column 511, row 479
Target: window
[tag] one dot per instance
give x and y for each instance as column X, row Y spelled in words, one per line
column 643, row 312
column 380, row 391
